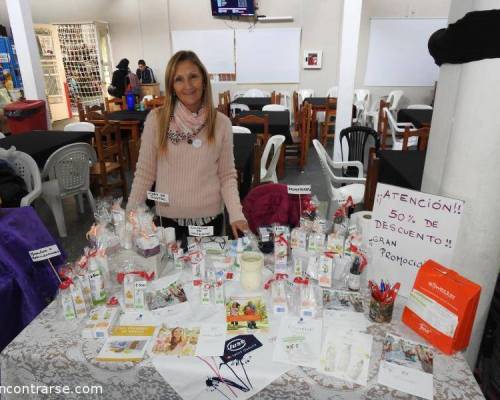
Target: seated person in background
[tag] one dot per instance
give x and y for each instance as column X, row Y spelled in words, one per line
column 144, row 73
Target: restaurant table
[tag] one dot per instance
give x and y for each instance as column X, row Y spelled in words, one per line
column 126, row 115
column 25, row 287
column 417, row 117
column 41, row 144
column 279, row 123
column 50, row 351
column 402, row 168
column 254, row 103
column 243, row 148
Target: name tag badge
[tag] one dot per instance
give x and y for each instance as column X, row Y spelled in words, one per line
column 157, row 196
column 197, row 143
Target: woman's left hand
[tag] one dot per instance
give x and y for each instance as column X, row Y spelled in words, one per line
column 240, row 225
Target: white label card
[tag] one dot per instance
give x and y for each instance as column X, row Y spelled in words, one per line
column 44, row 253
column 299, row 189
column 157, row 196
column 201, row 230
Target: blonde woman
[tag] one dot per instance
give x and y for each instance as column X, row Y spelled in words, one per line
column 187, row 149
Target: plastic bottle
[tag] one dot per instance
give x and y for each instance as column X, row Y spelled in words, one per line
column 96, row 285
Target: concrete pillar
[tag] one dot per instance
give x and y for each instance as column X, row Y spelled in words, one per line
column 21, row 25
column 351, row 20
column 463, row 162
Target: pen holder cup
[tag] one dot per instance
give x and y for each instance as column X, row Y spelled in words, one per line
column 381, row 311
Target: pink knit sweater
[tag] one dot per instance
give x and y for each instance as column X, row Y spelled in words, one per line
column 196, row 180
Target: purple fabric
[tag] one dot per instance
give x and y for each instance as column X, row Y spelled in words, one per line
column 25, row 287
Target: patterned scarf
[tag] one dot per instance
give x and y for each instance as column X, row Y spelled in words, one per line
column 185, row 125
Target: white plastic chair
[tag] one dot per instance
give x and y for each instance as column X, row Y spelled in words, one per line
column 304, row 93
column 241, row 129
column 333, row 92
column 80, row 127
column 419, row 107
column 273, row 107
column 393, row 98
column 67, row 171
column 269, row 174
column 355, row 185
column 25, row 167
column 237, row 108
column 256, row 93
column 2, row 136
column 362, row 102
column 239, row 93
column 399, row 127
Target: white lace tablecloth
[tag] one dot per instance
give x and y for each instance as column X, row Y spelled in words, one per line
column 51, row 352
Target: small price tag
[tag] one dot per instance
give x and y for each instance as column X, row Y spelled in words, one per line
column 141, row 285
column 299, row 189
column 44, row 253
column 201, row 230
column 157, row 196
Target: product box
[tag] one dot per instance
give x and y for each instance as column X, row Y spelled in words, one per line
column 100, row 322
column 442, row 306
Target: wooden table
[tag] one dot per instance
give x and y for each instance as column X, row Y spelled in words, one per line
column 417, row 117
column 254, row 103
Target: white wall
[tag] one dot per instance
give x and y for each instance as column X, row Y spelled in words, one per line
column 141, row 29
column 396, row 9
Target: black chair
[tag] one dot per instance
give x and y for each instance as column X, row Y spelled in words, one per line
column 356, row 137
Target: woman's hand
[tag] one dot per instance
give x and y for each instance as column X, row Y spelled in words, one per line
column 240, row 225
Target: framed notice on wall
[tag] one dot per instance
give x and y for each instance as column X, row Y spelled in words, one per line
column 312, row 59
column 409, row 228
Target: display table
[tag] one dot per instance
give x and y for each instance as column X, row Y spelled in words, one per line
column 52, row 352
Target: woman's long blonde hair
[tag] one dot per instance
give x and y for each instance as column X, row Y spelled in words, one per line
column 167, row 110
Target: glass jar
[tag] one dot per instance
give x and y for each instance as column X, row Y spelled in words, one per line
column 251, row 270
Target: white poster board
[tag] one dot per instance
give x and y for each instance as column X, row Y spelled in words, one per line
column 214, row 47
column 398, row 53
column 409, row 228
column 268, row 55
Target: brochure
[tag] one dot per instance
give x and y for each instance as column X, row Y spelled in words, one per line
column 246, row 315
column 346, row 355
column 407, row 366
column 126, row 343
column 299, row 342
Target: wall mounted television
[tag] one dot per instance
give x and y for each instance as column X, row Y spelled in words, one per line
column 222, row 8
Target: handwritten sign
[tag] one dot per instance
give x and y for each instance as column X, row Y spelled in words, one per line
column 407, row 229
column 157, row 196
column 299, row 189
column 200, row 230
column 44, row 253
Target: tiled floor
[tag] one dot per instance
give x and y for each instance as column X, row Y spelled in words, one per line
column 78, row 224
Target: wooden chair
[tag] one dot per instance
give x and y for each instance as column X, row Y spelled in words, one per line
column 422, row 134
column 371, row 179
column 275, row 98
column 224, row 103
column 299, row 149
column 383, row 124
column 110, row 159
column 328, row 126
column 155, row 102
column 114, row 103
column 81, row 111
column 252, row 120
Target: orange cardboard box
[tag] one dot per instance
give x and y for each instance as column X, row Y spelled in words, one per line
column 442, row 306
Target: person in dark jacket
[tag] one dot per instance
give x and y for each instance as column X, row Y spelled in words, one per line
column 144, row 73
column 119, row 81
